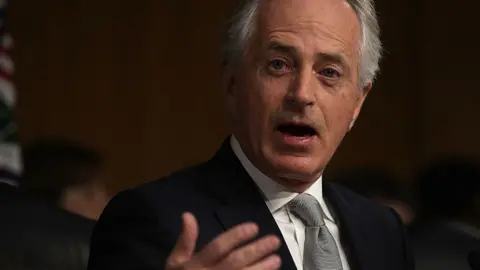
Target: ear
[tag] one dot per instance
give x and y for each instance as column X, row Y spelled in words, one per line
column 229, row 88
column 361, row 98
column 228, row 79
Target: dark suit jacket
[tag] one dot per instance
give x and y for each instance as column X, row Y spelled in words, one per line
column 139, row 228
column 440, row 246
column 34, row 236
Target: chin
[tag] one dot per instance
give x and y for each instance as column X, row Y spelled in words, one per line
column 302, row 170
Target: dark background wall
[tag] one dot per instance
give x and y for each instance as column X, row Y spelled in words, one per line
column 139, row 80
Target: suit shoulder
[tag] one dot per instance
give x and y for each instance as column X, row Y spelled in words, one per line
column 41, row 215
column 382, row 222
column 181, row 190
column 351, row 196
column 182, row 181
column 364, row 205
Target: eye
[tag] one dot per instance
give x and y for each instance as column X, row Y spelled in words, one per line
column 278, row 67
column 330, row 73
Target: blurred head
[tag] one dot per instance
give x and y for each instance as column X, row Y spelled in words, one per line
column 449, row 188
column 66, row 174
column 296, row 73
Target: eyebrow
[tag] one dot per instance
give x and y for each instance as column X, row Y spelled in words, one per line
column 336, row 58
column 280, row 47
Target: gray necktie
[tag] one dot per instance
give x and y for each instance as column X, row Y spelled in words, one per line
column 320, row 250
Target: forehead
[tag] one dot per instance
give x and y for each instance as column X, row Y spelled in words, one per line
column 318, row 24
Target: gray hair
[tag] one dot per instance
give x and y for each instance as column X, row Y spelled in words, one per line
column 242, row 24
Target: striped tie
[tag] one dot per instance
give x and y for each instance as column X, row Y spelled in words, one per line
column 320, row 249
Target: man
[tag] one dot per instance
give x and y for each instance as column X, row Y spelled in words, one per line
column 449, row 230
column 63, row 173
column 296, row 73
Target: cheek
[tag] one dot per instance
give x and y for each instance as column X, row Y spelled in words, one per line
column 251, row 112
column 272, row 92
column 262, row 98
column 338, row 113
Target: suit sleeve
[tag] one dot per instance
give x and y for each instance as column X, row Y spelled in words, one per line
column 128, row 236
column 409, row 263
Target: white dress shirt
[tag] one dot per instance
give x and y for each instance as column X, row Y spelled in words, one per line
column 276, row 197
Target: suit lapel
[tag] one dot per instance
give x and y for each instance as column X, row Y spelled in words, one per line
column 241, row 200
column 355, row 231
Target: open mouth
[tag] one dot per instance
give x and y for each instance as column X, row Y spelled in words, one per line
column 297, row 130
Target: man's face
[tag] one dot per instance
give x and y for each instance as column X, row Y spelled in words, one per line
column 296, row 92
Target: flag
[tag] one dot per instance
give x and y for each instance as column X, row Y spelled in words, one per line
column 10, row 153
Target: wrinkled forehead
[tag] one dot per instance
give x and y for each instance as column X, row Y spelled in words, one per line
column 333, row 20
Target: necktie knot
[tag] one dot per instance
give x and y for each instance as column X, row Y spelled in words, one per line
column 307, row 208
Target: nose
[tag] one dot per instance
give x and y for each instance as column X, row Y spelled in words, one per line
column 302, row 92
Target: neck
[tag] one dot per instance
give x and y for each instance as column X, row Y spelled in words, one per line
column 84, row 202
column 75, row 203
column 294, row 185
column 291, row 182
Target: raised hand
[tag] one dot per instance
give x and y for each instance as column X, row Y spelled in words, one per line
column 223, row 252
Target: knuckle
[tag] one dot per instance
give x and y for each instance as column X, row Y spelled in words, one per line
column 239, row 232
column 175, row 262
column 249, row 251
column 236, row 259
column 217, row 246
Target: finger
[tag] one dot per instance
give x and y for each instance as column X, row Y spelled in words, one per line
column 251, row 253
column 225, row 242
column 185, row 245
column 272, row 262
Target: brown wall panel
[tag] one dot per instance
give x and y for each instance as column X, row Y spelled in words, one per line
column 141, row 82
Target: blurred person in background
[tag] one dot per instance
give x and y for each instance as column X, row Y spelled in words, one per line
column 50, row 217
column 33, row 235
column 38, row 236
column 380, row 186
column 64, row 173
column 448, row 228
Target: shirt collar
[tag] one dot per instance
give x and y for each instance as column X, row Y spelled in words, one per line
column 9, row 182
column 464, row 228
column 276, row 195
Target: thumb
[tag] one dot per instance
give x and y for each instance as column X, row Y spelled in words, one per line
column 185, row 246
